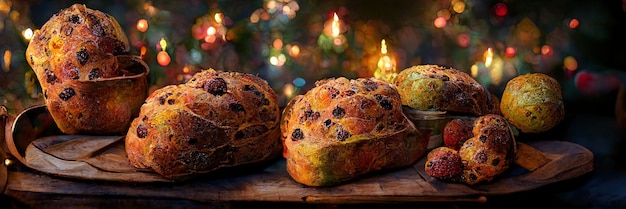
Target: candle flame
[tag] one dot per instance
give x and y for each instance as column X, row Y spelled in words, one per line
column 335, row 25
column 488, row 57
column 163, row 44
column 7, row 60
column 383, row 47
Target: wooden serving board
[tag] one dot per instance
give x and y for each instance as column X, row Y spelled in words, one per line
column 97, row 165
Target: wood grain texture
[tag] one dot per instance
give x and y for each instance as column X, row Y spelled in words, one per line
column 271, row 183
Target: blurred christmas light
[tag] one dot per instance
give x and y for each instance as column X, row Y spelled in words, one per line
column 277, row 44
column 5, row 6
column 463, row 40
column 570, row 63
column 7, row 60
column 163, row 58
column 444, row 13
column 294, row 51
column 28, row 34
column 218, row 17
column 211, row 31
column 458, row 6
column 289, row 90
column 547, row 50
column 299, row 82
column 142, row 25
column 440, row 22
column 510, row 52
column 573, row 23
column 500, row 9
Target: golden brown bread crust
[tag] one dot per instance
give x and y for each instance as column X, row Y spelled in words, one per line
column 533, row 102
column 433, row 87
column 90, row 83
column 487, row 154
column 490, row 152
column 342, row 129
column 215, row 120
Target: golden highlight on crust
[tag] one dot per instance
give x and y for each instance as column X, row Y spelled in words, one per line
column 344, row 128
column 216, row 120
column 533, row 102
column 90, row 83
column 433, row 87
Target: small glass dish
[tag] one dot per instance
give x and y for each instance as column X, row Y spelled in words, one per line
column 428, row 122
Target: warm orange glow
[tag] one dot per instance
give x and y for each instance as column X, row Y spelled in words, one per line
column 277, row 44
column 570, row 63
column 335, row 26
column 488, row 55
column 142, row 51
column 474, row 70
column 294, row 51
column 186, row 69
column 7, row 60
column 547, row 50
column 142, row 25
column 163, row 58
column 458, row 6
column 219, row 17
column 383, row 47
column 440, row 22
column 386, row 66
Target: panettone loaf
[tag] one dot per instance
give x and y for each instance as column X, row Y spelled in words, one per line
column 217, row 119
column 488, row 152
column 90, row 83
column 344, row 128
column 433, row 87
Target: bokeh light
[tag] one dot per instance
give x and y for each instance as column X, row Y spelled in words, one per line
column 440, row 22
column 142, row 25
column 500, row 9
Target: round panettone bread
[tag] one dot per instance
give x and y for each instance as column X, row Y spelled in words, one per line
column 344, row 128
column 90, row 83
column 486, row 153
column 433, row 87
column 533, row 102
column 215, row 120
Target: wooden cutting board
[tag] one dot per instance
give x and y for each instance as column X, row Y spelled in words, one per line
column 101, row 159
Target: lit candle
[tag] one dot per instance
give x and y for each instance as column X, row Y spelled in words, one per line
column 335, row 25
column 163, row 58
column 386, row 67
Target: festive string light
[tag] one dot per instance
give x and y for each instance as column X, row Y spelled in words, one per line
column 573, row 23
column 142, row 25
column 163, row 58
column 28, row 34
column 440, row 22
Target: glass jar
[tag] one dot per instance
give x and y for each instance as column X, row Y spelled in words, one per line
column 430, row 123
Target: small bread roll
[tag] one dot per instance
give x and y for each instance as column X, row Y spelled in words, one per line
column 533, row 102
